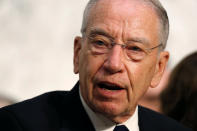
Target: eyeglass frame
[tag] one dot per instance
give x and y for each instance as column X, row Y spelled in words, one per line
column 124, row 46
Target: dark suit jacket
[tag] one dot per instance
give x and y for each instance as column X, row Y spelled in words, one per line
column 63, row 111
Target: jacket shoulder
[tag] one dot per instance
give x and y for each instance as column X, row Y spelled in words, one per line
column 155, row 121
column 39, row 111
column 37, row 102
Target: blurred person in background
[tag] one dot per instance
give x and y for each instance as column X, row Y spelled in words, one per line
column 179, row 98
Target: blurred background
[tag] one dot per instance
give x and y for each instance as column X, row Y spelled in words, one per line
column 36, row 42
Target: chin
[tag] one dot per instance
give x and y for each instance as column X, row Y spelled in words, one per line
column 116, row 115
column 110, row 110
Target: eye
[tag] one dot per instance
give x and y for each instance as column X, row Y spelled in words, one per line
column 99, row 42
column 134, row 48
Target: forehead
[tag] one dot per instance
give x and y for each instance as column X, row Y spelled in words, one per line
column 122, row 9
column 123, row 17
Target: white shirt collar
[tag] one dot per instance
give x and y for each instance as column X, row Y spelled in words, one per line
column 101, row 123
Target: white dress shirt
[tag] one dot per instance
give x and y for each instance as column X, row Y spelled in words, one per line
column 101, row 123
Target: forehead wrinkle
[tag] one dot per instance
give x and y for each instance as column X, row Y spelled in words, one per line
column 99, row 31
column 121, row 34
column 107, row 31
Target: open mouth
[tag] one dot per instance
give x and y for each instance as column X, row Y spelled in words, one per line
column 109, row 86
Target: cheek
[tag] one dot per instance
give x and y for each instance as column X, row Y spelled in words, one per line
column 140, row 76
column 89, row 65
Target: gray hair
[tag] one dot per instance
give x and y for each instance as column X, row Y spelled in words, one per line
column 155, row 4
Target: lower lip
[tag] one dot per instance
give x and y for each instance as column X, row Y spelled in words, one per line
column 108, row 93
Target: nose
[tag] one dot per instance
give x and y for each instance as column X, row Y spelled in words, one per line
column 113, row 63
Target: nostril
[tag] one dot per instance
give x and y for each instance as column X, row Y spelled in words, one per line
column 113, row 67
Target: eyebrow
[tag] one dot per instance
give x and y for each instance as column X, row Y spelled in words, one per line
column 139, row 40
column 97, row 31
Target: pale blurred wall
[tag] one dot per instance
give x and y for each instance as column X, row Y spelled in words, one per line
column 36, row 45
column 183, row 28
column 36, row 42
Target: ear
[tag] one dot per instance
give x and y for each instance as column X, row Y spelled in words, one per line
column 160, row 67
column 77, row 48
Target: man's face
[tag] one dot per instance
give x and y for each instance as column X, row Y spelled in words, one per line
column 110, row 83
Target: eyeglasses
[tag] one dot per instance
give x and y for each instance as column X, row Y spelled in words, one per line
column 132, row 50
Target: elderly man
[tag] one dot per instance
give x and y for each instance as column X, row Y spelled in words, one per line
column 120, row 54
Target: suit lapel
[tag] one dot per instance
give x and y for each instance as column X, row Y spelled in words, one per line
column 146, row 122
column 75, row 117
